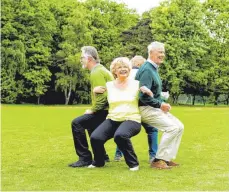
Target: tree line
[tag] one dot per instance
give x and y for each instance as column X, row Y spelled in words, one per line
column 41, row 41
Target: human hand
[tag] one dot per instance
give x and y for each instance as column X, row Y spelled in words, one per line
column 99, row 89
column 146, row 90
column 165, row 95
column 88, row 111
column 165, row 107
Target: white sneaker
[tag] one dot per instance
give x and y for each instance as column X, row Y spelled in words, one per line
column 134, row 168
column 91, row 166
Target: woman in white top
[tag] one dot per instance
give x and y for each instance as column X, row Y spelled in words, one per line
column 123, row 120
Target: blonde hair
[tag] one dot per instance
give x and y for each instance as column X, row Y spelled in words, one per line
column 117, row 62
column 137, row 61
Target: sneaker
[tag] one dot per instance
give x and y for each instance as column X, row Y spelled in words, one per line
column 94, row 165
column 106, row 158
column 80, row 163
column 118, row 158
column 172, row 164
column 161, row 164
column 134, row 168
column 91, row 166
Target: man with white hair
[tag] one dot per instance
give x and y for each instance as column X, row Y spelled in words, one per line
column 155, row 112
column 93, row 117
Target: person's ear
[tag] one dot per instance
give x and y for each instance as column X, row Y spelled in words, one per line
column 89, row 59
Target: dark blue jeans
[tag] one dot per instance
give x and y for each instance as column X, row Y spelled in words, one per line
column 152, row 134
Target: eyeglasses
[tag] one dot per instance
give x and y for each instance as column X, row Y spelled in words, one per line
column 86, row 57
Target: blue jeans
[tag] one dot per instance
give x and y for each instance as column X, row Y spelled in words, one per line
column 152, row 134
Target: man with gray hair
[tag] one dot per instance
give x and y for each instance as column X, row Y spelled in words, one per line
column 93, row 117
column 155, row 112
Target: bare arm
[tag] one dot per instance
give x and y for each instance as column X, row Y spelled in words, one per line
column 99, row 90
column 146, row 90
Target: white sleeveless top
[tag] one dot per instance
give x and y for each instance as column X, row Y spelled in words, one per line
column 123, row 103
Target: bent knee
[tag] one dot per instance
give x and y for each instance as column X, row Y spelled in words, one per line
column 120, row 137
column 178, row 128
column 181, row 127
column 97, row 138
column 76, row 125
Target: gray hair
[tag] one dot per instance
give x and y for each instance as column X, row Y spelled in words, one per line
column 154, row 46
column 91, row 52
column 119, row 61
column 137, row 61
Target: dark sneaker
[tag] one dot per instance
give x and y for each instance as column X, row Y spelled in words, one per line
column 106, row 159
column 118, row 158
column 80, row 163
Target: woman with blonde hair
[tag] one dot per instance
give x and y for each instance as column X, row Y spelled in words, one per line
column 123, row 120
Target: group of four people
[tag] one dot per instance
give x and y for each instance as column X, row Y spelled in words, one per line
column 131, row 102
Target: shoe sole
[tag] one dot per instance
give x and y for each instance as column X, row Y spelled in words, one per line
column 71, row 165
column 167, row 168
column 79, row 166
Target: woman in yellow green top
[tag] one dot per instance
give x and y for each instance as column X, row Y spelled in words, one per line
column 123, row 120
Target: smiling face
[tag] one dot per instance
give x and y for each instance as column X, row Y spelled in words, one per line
column 120, row 67
column 122, row 70
column 158, row 55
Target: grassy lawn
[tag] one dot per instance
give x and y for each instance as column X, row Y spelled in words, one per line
column 37, row 145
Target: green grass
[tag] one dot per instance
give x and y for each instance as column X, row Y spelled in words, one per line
column 37, row 146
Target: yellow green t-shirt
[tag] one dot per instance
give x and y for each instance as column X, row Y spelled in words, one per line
column 123, row 103
column 99, row 76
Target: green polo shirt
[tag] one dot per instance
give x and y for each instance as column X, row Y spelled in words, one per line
column 149, row 77
column 99, row 77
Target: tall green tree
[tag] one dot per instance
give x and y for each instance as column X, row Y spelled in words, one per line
column 72, row 33
column 136, row 39
column 27, row 31
column 217, row 23
column 178, row 23
column 108, row 20
column 13, row 54
column 36, row 81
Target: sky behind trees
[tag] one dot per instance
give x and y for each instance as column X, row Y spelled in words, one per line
column 141, row 5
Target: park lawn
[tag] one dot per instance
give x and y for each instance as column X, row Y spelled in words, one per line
column 37, row 145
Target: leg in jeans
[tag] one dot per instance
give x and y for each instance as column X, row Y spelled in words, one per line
column 118, row 153
column 89, row 122
column 99, row 137
column 125, row 131
column 152, row 134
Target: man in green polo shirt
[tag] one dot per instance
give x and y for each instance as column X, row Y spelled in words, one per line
column 155, row 112
column 93, row 117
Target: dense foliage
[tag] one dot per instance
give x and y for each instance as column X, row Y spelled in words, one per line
column 41, row 41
